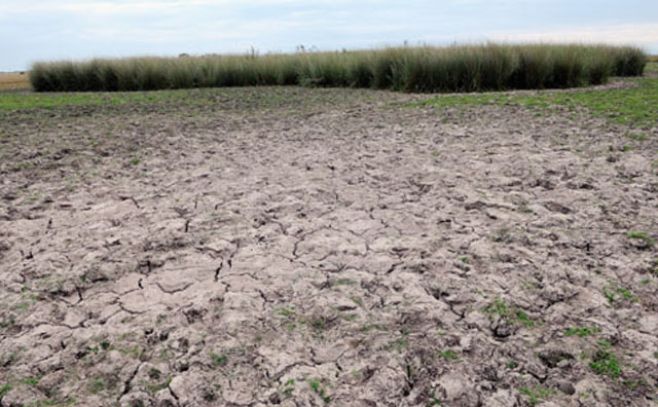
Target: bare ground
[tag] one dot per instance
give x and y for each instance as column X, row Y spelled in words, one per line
column 325, row 247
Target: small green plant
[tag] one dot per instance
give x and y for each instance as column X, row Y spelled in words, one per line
column 286, row 312
column 614, row 293
column 156, row 386
column 218, row 360
column 288, row 388
column 399, row 344
column 289, row 315
column 97, row 385
column 343, row 281
column 604, row 361
column 105, row 345
column 640, row 235
column 32, row 381
column 524, row 319
column 512, row 314
column 502, row 235
column 512, row 364
column 448, row 355
column 536, row 394
column 317, row 388
column 638, row 136
column 582, row 331
column 155, row 374
column 434, row 401
column 4, row 389
column 634, row 384
column 135, row 351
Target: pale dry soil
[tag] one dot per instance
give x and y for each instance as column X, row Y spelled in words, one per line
column 325, row 247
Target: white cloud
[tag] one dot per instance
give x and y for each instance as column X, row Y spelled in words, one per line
column 641, row 34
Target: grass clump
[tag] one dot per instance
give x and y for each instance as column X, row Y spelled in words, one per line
column 511, row 313
column 218, row 360
column 614, row 293
column 582, row 331
column 4, row 389
column 409, row 69
column 448, row 355
column 605, row 362
column 96, row 386
column 318, row 389
column 536, row 394
column 642, row 236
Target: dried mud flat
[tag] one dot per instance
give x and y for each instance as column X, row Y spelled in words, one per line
column 325, row 247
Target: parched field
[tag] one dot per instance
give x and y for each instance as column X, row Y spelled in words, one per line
column 312, row 247
column 14, row 81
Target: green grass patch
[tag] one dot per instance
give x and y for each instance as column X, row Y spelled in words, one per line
column 605, row 362
column 218, row 360
column 614, row 293
column 536, row 394
column 448, row 355
column 31, row 381
column 643, row 236
column 582, row 331
column 318, row 389
column 4, row 389
column 513, row 314
column 637, row 105
column 96, row 386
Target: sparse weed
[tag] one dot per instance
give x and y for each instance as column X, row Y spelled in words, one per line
column 605, row 362
column 642, row 236
column 448, row 355
column 399, row 344
column 318, row 389
column 536, row 394
column 434, row 401
column 582, row 331
column 288, row 388
column 614, row 293
column 4, row 389
column 218, row 360
column 638, row 136
column 32, row 381
column 515, row 315
column 96, row 386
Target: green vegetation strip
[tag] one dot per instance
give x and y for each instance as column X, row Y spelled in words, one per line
column 635, row 105
column 410, row 69
column 23, row 101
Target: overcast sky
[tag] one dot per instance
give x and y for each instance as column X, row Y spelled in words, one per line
column 78, row 29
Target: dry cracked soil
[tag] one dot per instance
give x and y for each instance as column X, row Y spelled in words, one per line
column 300, row 247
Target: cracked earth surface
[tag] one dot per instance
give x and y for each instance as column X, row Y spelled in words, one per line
column 333, row 247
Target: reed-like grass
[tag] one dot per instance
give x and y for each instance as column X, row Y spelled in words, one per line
column 409, row 69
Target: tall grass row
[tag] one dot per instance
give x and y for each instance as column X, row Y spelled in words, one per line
column 410, row 69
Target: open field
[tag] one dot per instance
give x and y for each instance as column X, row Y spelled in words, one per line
column 409, row 69
column 341, row 247
column 14, row 81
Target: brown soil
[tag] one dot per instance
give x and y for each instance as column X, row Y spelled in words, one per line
column 325, row 247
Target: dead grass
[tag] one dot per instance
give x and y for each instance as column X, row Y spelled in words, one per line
column 14, row 81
